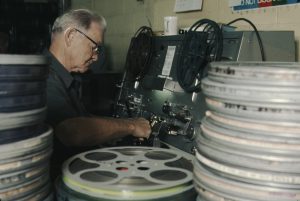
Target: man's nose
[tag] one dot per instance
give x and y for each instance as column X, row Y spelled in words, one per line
column 95, row 57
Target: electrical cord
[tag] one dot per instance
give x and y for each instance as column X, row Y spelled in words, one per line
column 197, row 50
column 139, row 53
column 257, row 35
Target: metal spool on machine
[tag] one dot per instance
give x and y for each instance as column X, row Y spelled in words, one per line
column 25, row 142
column 249, row 145
column 127, row 173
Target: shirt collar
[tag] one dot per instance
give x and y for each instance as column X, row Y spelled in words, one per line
column 60, row 70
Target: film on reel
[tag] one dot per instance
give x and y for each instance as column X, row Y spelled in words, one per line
column 127, row 173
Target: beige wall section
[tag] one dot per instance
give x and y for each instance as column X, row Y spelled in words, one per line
column 124, row 17
column 82, row 4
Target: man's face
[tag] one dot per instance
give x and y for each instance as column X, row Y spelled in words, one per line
column 85, row 50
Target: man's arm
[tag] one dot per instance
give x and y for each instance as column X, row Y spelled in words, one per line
column 91, row 131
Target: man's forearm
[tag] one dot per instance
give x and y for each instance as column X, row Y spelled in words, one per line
column 85, row 131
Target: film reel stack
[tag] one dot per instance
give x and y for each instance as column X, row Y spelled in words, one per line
column 249, row 148
column 25, row 142
column 127, row 173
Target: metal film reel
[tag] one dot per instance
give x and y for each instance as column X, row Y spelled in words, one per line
column 255, row 159
column 229, row 189
column 129, row 173
column 280, row 95
column 23, row 67
column 249, row 175
column 28, row 146
column 266, row 129
column 22, row 103
column 263, row 73
column 28, row 188
column 252, row 110
column 17, row 88
column 19, row 177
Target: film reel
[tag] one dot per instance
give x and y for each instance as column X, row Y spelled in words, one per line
column 21, row 119
column 271, row 112
column 255, row 159
column 25, row 153
column 22, row 103
column 128, row 173
column 280, row 136
column 17, row 134
column 265, row 129
column 22, row 88
column 237, row 139
column 139, row 53
column 230, row 189
column 249, row 175
column 257, row 73
column 28, row 188
column 42, row 193
column 19, row 177
column 264, row 94
column 23, row 67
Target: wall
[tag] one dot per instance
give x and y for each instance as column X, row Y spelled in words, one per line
column 124, row 17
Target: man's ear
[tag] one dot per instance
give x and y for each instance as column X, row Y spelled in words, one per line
column 69, row 35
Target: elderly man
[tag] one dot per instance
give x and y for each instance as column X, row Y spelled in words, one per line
column 76, row 42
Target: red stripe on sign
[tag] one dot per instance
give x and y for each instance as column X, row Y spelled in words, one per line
column 264, row 3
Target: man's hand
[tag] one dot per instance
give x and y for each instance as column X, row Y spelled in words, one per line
column 142, row 128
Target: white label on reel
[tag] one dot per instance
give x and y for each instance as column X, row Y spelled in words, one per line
column 168, row 60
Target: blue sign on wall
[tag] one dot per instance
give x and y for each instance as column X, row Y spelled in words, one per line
column 252, row 4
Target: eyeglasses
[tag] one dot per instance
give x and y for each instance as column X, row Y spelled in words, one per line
column 97, row 47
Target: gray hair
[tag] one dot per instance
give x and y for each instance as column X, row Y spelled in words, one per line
column 80, row 18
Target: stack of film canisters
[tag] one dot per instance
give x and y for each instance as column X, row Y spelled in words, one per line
column 25, row 142
column 127, row 174
column 249, row 147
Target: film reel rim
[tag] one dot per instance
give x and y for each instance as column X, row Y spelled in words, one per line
column 251, row 144
column 21, row 119
column 25, row 174
column 253, row 176
column 290, row 129
column 16, row 192
column 234, row 109
column 259, row 161
column 250, row 134
column 27, row 143
column 139, row 192
column 266, row 66
column 229, row 187
column 30, row 160
column 23, row 59
column 245, row 92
